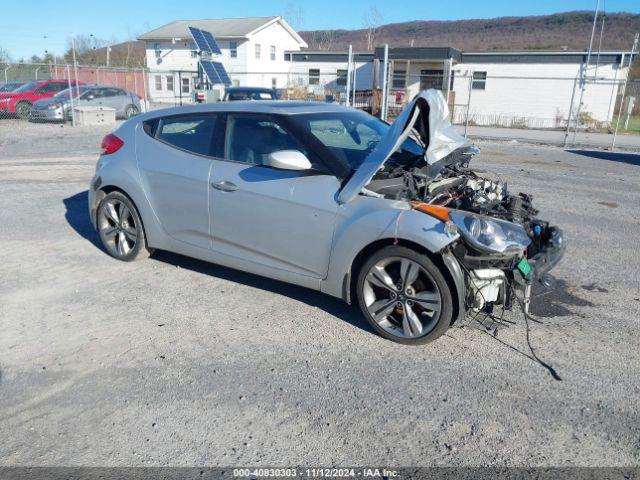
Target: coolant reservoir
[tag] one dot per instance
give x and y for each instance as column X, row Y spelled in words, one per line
column 484, row 286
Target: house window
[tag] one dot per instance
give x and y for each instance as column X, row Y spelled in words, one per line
column 258, row 51
column 194, row 50
column 158, row 81
column 170, row 83
column 399, row 79
column 274, row 82
column 341, row 77
column 479, row 80
column 431, row 79
column 233, row 49
column 272, row 52
column 186, row 85
column 314, row 76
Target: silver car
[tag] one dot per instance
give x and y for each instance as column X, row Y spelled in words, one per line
column 58, row 107
column 329, row 198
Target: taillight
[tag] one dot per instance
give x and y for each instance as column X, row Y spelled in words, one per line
column 111, row 144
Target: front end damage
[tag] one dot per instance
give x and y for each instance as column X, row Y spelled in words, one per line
column 502, row 247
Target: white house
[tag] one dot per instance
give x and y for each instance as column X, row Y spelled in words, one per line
column 252, row 53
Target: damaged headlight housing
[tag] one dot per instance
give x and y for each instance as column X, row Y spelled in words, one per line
column 490, row 235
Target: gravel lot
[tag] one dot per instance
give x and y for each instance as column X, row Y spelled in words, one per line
column 172, row 361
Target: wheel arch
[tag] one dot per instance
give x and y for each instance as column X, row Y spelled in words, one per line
column 457, row 290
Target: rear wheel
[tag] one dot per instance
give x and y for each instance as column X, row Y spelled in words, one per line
column 130, row 111
column 120, row 228
column 23, row 109
column 404, row 296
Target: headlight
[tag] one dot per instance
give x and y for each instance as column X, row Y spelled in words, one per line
column 53, row 106
column 490, row 234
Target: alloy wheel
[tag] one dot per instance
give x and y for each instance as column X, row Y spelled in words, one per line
column 402, row 297
column 117, row 227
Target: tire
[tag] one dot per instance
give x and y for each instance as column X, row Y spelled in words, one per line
column 114, row 218
column 23, row 109
column 404, row 296
column 130, row 111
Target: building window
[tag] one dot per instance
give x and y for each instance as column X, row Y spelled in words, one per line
column 399, row 79
column 314, row 76
column 274, row 82
column 258, row 51
column 272, row 52
column 158, row 81
column 431, row 79
column 479, row 80
column 194, row 50
column 341, row 77
column 233, row 49
column 186, row 85
column 235, row 82
column 170, row 83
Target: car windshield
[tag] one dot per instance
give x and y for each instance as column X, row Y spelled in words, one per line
column 352, row 136
column 27, row 87
column 64, row 94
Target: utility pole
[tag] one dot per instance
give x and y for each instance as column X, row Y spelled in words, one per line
column 583, row 83
column 624, row 88
column 108, row 52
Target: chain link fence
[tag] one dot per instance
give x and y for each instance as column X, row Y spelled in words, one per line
column 476, row 98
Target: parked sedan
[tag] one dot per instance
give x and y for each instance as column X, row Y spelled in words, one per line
column 329, row 198
column 58, row 108
column 20, row 101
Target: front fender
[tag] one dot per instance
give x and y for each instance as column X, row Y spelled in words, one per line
column 366, row 220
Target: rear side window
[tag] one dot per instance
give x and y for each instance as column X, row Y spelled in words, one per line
column 193, row 133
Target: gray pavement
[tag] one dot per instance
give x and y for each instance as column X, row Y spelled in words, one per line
column 624, row 142
column 173, row 361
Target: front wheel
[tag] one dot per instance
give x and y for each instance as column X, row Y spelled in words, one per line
column 404, row 296
column 120, row 228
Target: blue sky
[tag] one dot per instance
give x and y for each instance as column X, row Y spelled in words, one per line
column 47, row 27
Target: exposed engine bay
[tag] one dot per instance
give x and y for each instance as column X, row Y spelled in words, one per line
column 503, row 246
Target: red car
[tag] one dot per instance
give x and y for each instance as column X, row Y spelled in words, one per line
column 20, row 101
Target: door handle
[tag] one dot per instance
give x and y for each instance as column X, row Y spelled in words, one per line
column 225, row 186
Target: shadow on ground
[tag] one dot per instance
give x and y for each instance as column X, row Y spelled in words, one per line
column 630, row 158
column 77, row 216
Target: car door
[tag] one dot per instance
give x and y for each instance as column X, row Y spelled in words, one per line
column 90, row 98
column 174, row 158
column 280, row 219
column 114, row 98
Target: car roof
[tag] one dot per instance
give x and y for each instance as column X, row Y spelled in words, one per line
column 282, row 107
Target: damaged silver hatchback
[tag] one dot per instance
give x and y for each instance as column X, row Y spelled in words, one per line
column 389, row 216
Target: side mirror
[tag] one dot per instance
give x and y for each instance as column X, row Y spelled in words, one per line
column 288, row 160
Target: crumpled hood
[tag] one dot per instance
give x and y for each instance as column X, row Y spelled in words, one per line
column 435, row 131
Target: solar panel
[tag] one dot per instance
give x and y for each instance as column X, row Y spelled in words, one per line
column 201, row 42
column 216, row 72
column 213, row 46
column 222, row 73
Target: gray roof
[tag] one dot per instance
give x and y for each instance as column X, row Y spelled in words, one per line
column 220, row 27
